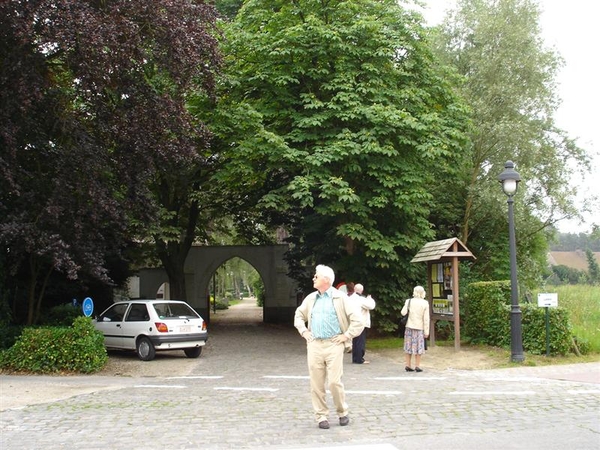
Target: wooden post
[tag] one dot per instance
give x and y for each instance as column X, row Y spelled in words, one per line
column 455, row 303
column 430, row 300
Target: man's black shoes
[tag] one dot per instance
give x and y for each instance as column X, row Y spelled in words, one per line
column 324, row 424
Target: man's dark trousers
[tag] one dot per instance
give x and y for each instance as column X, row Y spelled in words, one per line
column 358, row 347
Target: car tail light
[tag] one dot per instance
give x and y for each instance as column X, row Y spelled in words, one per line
column 203, row 325
column 161, row 327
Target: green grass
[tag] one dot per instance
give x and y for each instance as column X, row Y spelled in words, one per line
column 384, row 343
column 583, row 303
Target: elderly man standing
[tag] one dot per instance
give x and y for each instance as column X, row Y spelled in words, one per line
column 359, row 343
column 328, row 320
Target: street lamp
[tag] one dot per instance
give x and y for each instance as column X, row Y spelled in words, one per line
column 510, row 182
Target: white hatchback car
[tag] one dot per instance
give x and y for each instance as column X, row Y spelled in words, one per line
column 148, row 326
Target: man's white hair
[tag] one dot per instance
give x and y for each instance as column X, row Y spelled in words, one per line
column 326, row 272
column 359, row 288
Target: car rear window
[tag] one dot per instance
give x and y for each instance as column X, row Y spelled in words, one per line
column 174, row 311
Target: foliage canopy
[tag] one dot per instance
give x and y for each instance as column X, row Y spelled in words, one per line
column 356, row 122
column 93, row 111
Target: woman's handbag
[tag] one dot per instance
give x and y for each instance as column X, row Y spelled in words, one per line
column 404, row 318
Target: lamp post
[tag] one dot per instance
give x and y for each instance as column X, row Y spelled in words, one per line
column 510, row 182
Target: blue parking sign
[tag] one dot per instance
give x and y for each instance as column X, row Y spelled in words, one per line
column 88, row 306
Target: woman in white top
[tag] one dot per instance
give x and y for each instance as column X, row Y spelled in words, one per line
column 417, row 328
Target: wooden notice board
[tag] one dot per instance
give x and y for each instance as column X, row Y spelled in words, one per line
column 442, row 258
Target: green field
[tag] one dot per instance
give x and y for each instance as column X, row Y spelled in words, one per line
column 583, row 303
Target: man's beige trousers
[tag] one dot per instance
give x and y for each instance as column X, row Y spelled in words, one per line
column 326, row 362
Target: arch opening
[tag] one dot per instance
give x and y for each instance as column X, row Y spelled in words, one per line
column 237, row 293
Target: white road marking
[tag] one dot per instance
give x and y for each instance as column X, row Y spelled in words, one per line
column 160, row 386
column 288, row 377
column 244, row 389
column 374, row 392
column 410, row 378
column 492, row 393
column 208, row 377
column 515, row 379
column 583, row 391
column 357, row 447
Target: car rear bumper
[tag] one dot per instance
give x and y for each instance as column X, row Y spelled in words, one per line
column 179, row 341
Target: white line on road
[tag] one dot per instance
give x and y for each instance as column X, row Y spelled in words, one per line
column 357, row 447
column 409, row 378
column 583, row 391
column 492, row 393
column 514, row 379
column 375, row 392
column 288, row 377
column 244, row 389
column 208, row 377
column 160, row 386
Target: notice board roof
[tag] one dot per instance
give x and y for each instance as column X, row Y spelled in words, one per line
column 441, row 250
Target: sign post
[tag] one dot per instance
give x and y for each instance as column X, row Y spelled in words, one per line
column 548, row 300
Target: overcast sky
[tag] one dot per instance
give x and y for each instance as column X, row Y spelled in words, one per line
column 571, row 28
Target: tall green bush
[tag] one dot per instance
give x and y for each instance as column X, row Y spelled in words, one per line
column 534, row 330
column 483, row 314
column 486, row 320
column 79, row 348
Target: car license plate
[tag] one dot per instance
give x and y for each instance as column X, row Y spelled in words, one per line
column 185, row 329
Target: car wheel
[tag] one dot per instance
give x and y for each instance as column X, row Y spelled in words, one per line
column 193, row 352
column 145, row 349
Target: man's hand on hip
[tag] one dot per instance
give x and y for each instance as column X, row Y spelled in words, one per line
column 308, row 336
column 340, row 338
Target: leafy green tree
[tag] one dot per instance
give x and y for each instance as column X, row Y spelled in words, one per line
column 593, row 268
column 228, row 8
column 570, row 242
column 509, row 82
column 357, row 121
column 568, row 275
column 92, row 124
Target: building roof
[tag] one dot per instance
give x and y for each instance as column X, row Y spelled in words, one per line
column 443, row 250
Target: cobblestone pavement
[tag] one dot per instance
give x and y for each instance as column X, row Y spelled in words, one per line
column 249, row 390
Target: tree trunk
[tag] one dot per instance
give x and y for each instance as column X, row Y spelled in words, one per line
column 35, row 298
column 33, row 274
column 173, row 263
column 173, row 254
column 465, row 230
column 40, row 296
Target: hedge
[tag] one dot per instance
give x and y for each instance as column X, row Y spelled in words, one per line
column 486, row 313
column 79, row 348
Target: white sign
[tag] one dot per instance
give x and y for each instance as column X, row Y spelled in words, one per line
column 548, row 300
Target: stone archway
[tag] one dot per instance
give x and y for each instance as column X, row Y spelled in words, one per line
column 202, row 261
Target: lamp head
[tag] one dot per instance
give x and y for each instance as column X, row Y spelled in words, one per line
column 509, row 178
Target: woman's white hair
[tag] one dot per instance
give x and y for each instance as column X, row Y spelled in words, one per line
column 325, row 272
column 419, row 292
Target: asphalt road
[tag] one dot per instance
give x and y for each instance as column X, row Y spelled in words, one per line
column 249, row 390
